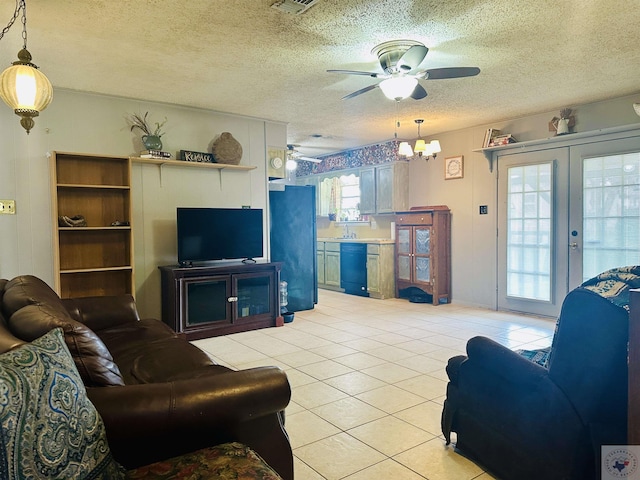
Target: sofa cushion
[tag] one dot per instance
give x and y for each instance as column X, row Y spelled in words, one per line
column 49, row 427
column 226, row 461
column 161, row 360
column 33, row 309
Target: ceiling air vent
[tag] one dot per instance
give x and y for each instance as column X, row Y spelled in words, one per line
column 293, row 6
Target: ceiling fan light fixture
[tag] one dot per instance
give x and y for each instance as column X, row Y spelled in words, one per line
column 291, row 165
column 398, row 88
column 404, row 149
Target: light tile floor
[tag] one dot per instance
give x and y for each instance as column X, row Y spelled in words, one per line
column 368, row 381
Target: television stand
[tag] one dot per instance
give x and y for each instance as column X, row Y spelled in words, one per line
column 213, row 300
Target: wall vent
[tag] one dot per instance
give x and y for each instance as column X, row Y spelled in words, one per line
column 295, row 7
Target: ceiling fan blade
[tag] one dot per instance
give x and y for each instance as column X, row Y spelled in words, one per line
column 356, row 72
column 412, row 57
column 419, row 92
column 361, row 91
column 449, row 72
column 309, row 159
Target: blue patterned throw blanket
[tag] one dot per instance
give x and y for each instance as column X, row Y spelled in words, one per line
column 614, row 284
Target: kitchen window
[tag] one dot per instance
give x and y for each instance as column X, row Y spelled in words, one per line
column 340, row 195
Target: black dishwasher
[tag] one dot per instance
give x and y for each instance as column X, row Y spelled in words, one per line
column 353, row 268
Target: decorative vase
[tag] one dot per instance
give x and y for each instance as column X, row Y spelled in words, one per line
column 563, row 126
column 332, row 217
column 152, row 142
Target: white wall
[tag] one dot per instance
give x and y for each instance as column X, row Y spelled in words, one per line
column 86, row 123
column 474, row 236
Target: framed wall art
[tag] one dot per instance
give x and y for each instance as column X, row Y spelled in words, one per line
column 453, row 167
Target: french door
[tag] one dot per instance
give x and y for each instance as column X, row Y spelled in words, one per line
column 532, row 231
column 564, row 215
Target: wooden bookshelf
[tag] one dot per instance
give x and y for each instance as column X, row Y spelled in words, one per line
column 96, row 259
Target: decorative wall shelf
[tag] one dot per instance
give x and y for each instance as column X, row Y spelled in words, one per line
column 162, row 162
column 182, row 163
column 551, row 142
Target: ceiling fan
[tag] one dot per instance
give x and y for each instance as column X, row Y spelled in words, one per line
column 293, row 154
column 398, row 59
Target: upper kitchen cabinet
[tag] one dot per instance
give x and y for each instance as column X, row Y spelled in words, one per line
column 368, row 191
column 384, row 188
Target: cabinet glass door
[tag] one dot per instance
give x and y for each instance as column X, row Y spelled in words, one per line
column 205, row 301
column 422, row 250
column 404, row 253
column 254, row 295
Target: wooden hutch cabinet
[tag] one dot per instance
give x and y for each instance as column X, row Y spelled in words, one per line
column 423, row 253
column 96, row 259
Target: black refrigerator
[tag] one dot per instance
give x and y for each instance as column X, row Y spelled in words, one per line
column 293, row 242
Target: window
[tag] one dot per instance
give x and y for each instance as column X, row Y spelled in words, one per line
column 341, row 195
column 348, row 209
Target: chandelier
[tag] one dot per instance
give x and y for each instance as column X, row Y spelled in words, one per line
column 421, row 148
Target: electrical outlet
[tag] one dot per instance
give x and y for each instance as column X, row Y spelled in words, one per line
column 8, row 207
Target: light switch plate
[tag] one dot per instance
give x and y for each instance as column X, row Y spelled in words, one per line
column 8, row 207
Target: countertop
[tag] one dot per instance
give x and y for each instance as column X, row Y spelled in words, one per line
column 377, row 241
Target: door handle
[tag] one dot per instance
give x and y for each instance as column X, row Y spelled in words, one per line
column 232, row 299
column 573, row 245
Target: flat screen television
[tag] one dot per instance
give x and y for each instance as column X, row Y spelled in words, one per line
column 207, row 234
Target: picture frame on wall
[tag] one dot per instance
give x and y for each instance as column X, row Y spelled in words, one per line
column 454, row 167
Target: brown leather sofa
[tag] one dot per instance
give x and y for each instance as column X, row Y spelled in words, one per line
column 159, row 396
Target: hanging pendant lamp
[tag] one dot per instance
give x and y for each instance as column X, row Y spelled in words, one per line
column 23, row 87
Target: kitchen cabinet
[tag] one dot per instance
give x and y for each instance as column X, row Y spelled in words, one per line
column 332, row 264
column 328, row 257
column 208, row 301
column 380, row 270
column 384, row 188
column 423, row 253
column 368, row 191
column 320, row 262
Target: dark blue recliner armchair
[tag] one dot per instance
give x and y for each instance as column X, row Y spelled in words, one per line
column 522, row 421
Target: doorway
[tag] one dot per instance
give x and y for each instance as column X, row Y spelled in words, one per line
column 565, row 214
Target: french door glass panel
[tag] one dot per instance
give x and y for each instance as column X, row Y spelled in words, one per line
column 605, row 216
column 529, row 231
column 611, row 213
column 532, row 247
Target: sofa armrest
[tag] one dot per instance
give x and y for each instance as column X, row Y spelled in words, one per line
column 99, row 313
column 150, row 422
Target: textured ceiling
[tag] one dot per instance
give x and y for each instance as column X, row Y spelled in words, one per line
column 244, row 57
